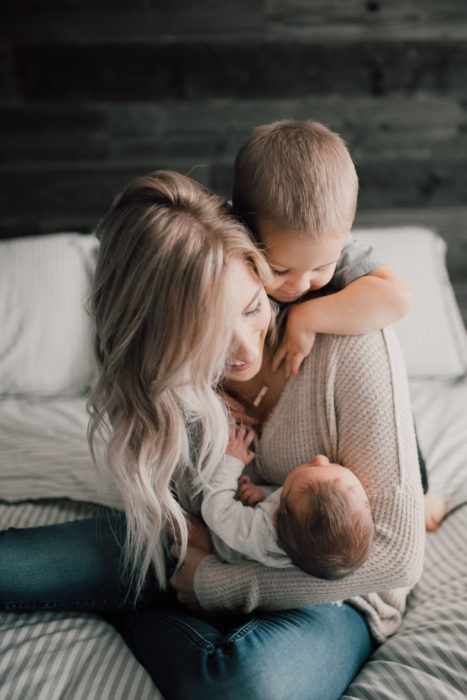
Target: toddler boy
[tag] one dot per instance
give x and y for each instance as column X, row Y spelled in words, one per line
column 295, row 186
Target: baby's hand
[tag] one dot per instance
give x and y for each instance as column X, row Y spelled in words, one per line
column 296, row 344
column 249, row 493
column 239, row 442
column 237, row 410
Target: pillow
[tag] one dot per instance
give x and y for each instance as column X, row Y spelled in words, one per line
column 46, row 336
column 432, row 336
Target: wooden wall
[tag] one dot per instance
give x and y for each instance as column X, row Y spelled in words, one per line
column 96, row 92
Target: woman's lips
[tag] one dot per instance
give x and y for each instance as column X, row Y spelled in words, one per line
column 240, row 367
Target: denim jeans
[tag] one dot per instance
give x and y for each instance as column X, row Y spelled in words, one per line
column 309, row 652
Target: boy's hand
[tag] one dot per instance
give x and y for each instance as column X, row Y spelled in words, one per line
column 237, row 410
column 249, row 493
column 296, row 344
column 239, row 442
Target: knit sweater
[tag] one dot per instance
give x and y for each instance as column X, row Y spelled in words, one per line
column 350, row 402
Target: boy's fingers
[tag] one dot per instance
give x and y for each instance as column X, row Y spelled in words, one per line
column 296, row 362
column 278, row 357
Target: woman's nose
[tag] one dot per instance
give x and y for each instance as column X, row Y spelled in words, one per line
column 247, row 346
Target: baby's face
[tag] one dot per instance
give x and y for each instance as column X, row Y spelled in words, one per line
column 299, row 263
column 320, row 468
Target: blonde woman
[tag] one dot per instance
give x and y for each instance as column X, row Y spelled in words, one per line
column 180, row 308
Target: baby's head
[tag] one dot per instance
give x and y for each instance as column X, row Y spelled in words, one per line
column 296, row 187
column 324, row 520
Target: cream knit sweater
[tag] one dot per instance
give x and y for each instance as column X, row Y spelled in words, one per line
column 350, row 402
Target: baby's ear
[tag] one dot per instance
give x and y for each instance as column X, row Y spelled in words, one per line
column 274, row 519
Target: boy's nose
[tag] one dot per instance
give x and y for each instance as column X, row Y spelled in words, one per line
column 300, row 284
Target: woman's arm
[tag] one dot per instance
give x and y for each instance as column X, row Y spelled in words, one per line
column 369, row 420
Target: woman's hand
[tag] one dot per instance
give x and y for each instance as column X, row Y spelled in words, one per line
column 183, row 581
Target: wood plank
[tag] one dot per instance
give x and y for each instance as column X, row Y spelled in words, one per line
column 130, row 19
column 246, row 69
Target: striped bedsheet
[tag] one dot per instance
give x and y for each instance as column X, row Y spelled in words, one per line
column 64, row 655
column 427, row 658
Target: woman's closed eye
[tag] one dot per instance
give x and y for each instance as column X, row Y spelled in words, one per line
column 255, row 311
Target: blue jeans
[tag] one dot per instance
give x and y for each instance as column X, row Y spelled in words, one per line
column 309, row 652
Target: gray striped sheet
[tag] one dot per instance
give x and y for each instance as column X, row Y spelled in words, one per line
column 64, row 655
column 44, row 453
column 427, row 658
column 440, row 410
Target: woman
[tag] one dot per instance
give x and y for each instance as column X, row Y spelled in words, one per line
column 179, row 307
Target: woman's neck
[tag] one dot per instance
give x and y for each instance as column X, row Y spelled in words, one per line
column 261, row 393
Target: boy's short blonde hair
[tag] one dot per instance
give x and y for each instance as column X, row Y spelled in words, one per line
column 298, row 175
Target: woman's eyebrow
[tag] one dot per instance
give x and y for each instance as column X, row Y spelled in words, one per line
column 253, row 298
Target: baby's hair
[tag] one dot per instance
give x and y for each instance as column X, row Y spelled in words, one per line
column 325, row 536
column 298, row 175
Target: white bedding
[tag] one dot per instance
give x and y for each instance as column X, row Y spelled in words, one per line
column 45, row 454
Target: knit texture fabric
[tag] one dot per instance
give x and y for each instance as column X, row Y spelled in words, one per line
column 351, row 403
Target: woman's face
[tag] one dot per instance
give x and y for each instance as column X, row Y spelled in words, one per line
column 252, row 315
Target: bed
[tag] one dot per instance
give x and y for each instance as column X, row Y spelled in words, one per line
column 46, row 473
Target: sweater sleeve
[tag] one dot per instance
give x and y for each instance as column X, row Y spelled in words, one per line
column 360, row 382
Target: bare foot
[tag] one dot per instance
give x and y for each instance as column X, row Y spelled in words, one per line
column 435, row 510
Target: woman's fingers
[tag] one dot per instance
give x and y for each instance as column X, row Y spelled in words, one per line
column 183, row 580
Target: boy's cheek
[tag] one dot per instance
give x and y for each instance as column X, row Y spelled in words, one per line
column 272, row 286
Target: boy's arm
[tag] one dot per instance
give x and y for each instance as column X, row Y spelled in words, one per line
column 367, row 304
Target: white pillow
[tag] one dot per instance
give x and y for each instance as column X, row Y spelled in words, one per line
column 432, row 336
column 46, row 337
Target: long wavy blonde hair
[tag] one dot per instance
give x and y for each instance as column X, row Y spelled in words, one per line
column 163, row 329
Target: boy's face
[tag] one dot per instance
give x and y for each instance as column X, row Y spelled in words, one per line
column 299, row 264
